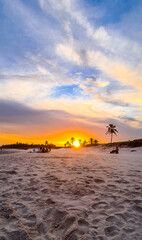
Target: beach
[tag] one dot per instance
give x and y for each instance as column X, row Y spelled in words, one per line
column 67, row 194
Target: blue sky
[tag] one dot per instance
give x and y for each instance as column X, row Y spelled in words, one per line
column 81, row 57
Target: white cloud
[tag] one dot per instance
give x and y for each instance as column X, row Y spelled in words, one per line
column 67, row 42
column 69, row 53
column 110, row 67
column 96, row 81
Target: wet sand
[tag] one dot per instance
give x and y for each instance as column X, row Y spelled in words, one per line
column 70, row 195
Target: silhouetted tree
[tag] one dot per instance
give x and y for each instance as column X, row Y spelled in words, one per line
column 68, row 143
column 72, row 140
column 84, row 143
column 91, row 141
column 111, row 129
column 96, row 141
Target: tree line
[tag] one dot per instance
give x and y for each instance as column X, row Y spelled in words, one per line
column 26, row 146
column 111, row 129
column 83, row 143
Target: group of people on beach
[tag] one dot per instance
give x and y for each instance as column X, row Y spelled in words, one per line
column 45, row 149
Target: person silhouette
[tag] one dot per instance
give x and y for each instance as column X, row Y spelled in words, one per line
column 116, row 150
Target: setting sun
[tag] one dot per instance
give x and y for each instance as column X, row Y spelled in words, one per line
column 76, row 143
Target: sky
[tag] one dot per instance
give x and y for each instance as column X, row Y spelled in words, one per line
column 69, row 68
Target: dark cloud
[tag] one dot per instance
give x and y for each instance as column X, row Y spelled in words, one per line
column 116, row 102
column 25, row 77
column 115, row 86
column 130, row 119
column 24, row 119
column 91, row 79
column 83, row 56
column 14, row 112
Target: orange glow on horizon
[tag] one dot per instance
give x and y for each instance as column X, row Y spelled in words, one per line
column 58, row 138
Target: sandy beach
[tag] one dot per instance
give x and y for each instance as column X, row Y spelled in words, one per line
column 68, row 195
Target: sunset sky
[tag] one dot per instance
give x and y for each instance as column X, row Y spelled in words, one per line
column 69, row 68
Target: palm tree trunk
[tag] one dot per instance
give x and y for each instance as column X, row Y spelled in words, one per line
column 111, row 137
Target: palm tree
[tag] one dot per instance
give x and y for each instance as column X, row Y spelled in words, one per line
column 91, row 141
column 72, row 140
column 96, row 141
column 111, row 129
column 68, row 143
column 84, row 143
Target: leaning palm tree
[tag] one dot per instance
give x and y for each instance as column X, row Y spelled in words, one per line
column 111, row 129
column 84, row 143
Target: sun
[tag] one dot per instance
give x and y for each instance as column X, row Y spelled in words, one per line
column 76, row 143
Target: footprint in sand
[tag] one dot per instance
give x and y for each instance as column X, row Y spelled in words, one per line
column 115, row 220
column 58, row 217
column 102, row 238
column 49, row 201
column 30, row 220
column 6, row 211
column 11, row 172
column 83, row 226
column 2, row 237
column 88, row 237
column 98, row 180
column 42, row 227
column 68, row 224
column 95, row 221
column 18, row 234
column 137, row 208
column 71, row 235
column 45, row 190
column 137, row 201
column 101, row 204
column 111, row 231
column 28, row 199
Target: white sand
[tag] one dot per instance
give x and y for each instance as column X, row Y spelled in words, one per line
column 70, row 195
